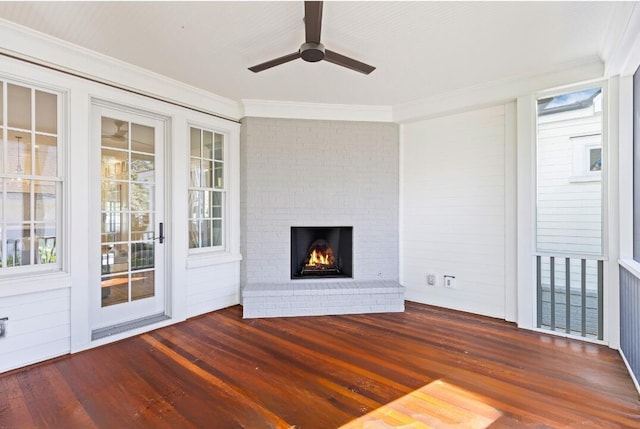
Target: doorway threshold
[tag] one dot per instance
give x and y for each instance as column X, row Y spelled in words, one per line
column 127, row 326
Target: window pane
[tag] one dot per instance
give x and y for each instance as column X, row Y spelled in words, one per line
column 46, row 112
column 19, row 153
column 207, row 176
column 46, row 239
column 18, row 207
column 207, row 145
column 595, row 159
column 18, row 107
column 196, row 209
column 216, row 205
column 142, row 138
column 219, row 174
column 205, row 233
column 115, row 133
column 18, row 245
column 195, row 142
column 217, row 233
column 45, row 200
column 219, row 151
column 194, row 173
column 194, row 235
column 46, row 156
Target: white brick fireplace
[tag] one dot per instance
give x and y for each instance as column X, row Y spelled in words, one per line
column 319, row 173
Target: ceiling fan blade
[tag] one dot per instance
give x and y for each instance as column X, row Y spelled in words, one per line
column 312, row 21
column 275, row 62
column 350, row 63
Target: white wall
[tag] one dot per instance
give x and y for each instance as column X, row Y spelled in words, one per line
column 453, row 210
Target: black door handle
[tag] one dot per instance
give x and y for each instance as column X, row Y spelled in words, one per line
column 161, row 233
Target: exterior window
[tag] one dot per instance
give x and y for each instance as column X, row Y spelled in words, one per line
column 587, row 158
column 207, row 190
column 30, row 182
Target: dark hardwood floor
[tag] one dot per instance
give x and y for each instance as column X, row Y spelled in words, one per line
column 427, row 367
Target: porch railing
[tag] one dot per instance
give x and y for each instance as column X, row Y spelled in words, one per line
column 569, row 294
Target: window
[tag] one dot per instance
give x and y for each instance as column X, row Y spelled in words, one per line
column 29, row 178
column 587, row 158
column 207, row 189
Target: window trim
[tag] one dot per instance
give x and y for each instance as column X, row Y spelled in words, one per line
column 61, row 184
column 203, row 254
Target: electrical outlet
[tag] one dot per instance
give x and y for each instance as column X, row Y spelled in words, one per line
column 450, row 282
column 431, row 279
column 3, row 326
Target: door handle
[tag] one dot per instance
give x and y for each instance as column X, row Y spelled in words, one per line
column 161, row 233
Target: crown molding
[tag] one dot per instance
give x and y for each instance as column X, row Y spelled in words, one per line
column 621, row 49
column 334, row 112
column 498, row 92
column 24, row 43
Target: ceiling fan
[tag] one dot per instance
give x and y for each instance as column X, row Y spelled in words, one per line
column 312, row 50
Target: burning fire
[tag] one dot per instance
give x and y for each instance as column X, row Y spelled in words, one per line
column 318, row 257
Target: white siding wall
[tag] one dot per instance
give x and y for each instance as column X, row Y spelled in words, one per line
column 212, row 288
column 38, row 327
column 453, row 210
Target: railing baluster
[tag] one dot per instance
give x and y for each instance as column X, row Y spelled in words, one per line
column 583, row 292
column 600, row 299
column 567, row 268
column 539, row 288
column 552, row 263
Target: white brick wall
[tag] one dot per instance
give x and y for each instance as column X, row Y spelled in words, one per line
column 318, row 173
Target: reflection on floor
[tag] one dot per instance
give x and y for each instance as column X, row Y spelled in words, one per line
column 438, row 405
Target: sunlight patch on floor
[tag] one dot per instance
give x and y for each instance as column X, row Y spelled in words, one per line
column 436, row 405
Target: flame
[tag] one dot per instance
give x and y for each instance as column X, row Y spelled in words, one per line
column 317, row 257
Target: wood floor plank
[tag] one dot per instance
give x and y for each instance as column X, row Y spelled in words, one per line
column 426, row 367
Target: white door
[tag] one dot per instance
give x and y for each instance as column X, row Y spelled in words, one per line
column 131, row 265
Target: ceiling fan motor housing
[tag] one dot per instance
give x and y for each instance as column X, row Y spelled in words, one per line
column 312, row 52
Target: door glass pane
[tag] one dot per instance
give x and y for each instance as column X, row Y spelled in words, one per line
column 46, row 156
column 115, row 290
column 115, row 133
column 142, row 255
column 142, row 285
column 114, row 164
column 142, row 138
column 142, row 226
column 141, row 197
column 19, row 107
column 46, row 112
column 142, row 167
column 115, row 226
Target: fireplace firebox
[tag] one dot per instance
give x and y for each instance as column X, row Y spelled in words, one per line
column 321, row 252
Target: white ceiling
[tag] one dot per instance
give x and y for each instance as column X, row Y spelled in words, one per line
column 420, row 49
